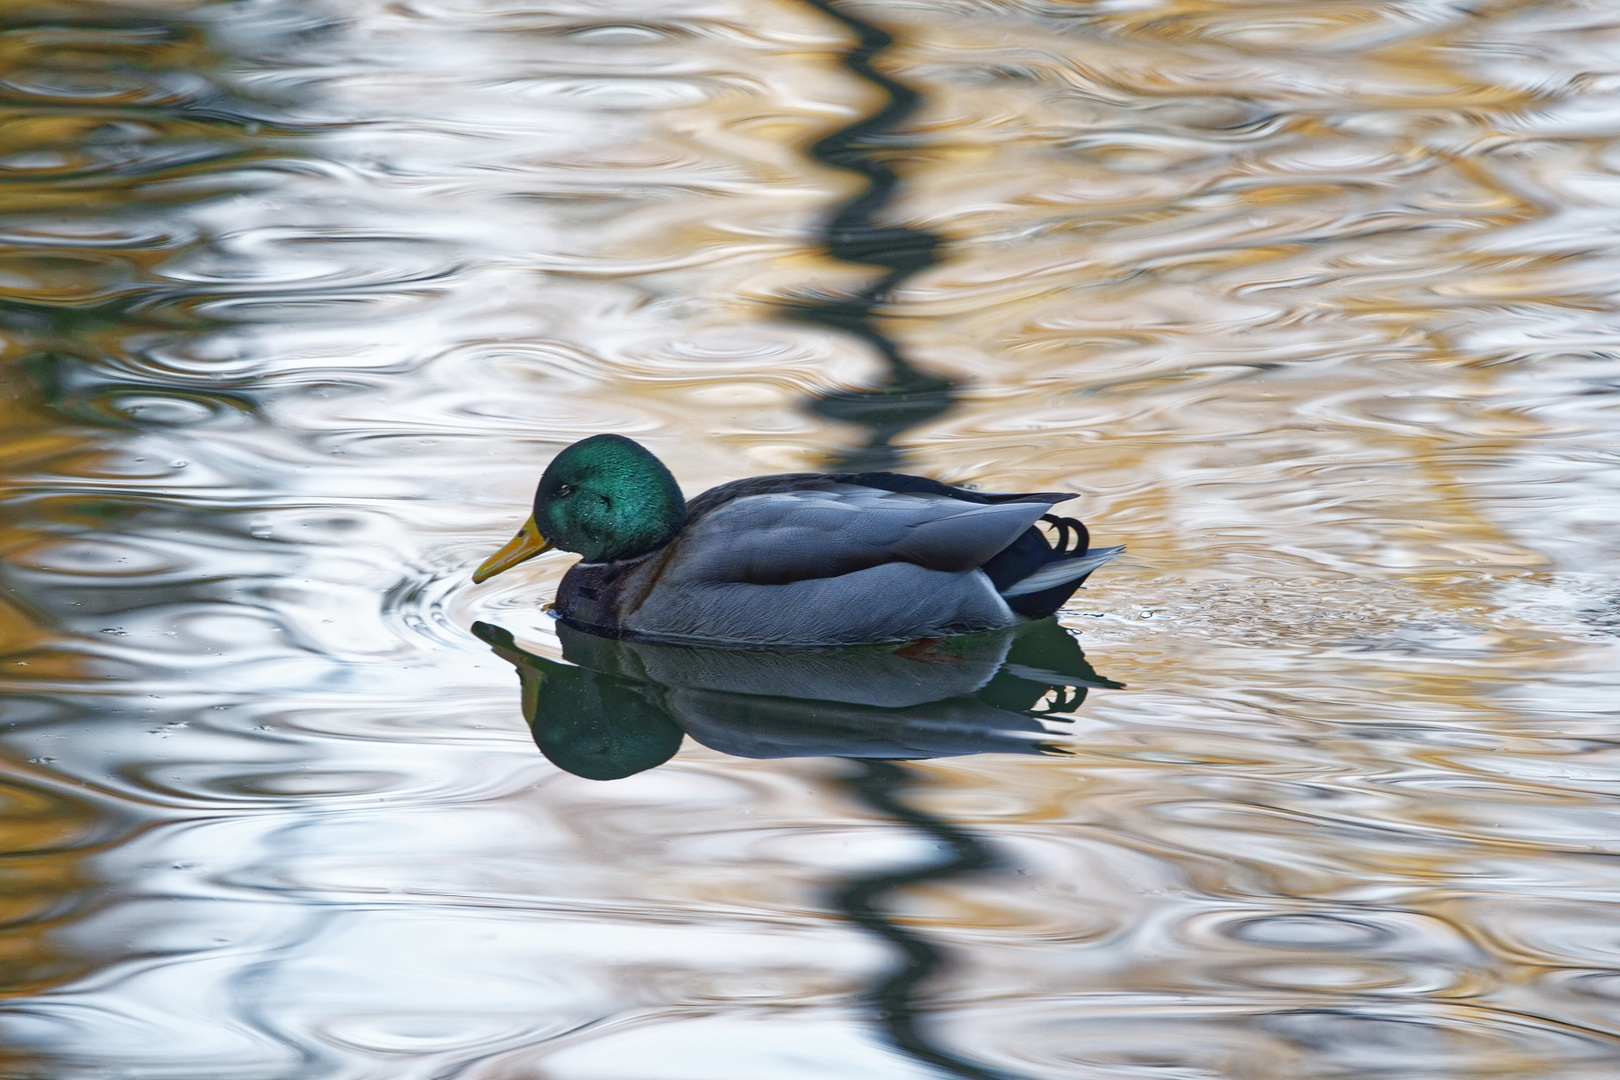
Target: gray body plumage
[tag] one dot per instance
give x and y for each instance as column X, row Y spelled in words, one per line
column 842, row 564
column 891, row 602
column 816, row 563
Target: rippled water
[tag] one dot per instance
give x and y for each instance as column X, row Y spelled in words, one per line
column 1313, row 303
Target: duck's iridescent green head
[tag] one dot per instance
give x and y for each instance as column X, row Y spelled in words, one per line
column 605, row 497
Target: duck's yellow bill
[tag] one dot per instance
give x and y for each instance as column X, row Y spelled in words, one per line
column 521, row 548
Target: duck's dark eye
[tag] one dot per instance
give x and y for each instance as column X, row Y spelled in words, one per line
column 563, row 491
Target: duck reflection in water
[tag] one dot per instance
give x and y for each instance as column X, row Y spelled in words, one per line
column 618, row 707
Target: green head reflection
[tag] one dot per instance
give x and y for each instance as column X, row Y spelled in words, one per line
column 587, row 723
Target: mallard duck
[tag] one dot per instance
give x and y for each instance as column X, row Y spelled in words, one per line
column 794, row 558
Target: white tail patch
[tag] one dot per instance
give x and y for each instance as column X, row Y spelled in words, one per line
column 1057, row 573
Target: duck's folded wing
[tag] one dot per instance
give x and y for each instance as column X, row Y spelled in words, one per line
column 776, row 538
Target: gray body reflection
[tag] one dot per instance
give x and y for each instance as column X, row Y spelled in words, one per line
column 619, row 707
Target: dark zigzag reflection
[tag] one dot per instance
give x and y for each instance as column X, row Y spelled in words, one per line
column 895, row 997
column 906, row 398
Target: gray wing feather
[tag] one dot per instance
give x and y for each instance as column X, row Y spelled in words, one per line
column 777, row 538
column 966, row 541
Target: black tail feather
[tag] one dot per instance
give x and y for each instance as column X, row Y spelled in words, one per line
column 1073, row 536
column 1033, row 550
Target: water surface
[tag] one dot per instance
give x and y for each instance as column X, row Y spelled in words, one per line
column 1312, row 304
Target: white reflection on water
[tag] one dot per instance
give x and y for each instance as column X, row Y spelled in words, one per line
column 1314, row 305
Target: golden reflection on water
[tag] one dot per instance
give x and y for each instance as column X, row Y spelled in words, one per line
column 1312, row 303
